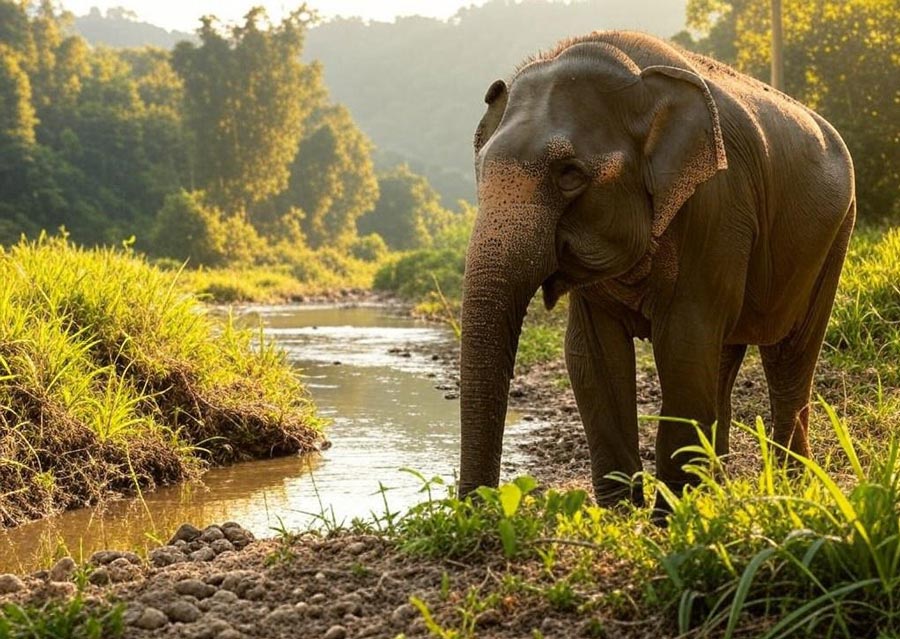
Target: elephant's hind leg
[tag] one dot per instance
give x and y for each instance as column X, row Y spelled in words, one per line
column 729, row 365
column 790, row 364
column 601, row 365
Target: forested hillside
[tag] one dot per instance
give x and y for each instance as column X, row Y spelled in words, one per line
column 224, row 150
column 415, row 85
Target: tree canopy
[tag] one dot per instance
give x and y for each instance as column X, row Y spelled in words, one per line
column 841, row 57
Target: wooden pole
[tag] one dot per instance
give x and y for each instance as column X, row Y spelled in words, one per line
column 777, row 47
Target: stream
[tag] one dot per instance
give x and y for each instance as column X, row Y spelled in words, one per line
column 371, row 374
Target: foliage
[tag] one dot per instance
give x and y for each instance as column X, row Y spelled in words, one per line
column 104, row 358
column 408, row 213
column 332, row 177
column 246, row 96
column 841, row 58
column 791, row 551
column 189, row 229
column 73, row 619
column 219, row 152
column 864, row 332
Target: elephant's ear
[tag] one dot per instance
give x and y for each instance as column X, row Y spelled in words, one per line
column 495, row 98
column 684, row 145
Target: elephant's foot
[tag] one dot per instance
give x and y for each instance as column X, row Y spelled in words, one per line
column 612, row 492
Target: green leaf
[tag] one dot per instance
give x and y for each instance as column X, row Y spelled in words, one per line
column 526, row 483
column 573, row 501
column 510, row 498
column 508, row 537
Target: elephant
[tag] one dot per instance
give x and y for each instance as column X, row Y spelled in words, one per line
column 674, row 200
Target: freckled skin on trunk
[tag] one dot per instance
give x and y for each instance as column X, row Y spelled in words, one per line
column 510, row 253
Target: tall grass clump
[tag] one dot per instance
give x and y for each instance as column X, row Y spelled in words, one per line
column 112, row 379
column 797, row 551
column 865, row 325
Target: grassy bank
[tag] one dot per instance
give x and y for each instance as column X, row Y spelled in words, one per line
column 112, row 380
column 767, row 553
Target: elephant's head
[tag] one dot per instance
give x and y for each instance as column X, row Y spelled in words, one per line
column 581, row 162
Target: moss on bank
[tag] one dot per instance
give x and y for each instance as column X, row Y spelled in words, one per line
column 113, row 379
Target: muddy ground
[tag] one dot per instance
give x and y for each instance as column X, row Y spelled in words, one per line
column 219, row 583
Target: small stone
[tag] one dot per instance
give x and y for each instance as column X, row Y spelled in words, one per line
column 238, row 536
column 318, row 598
column 301, row 607
column 215, row 579
column 166, row 556
column 211, row 534
column 194, row 588
column 256, row 593
column 120, row 562
column 402, row 614
column 488, row 618
column 284, row 614
column 239, row 581
column 183, row 611
column 336, row 632
column 451, row 396
column 60, row 589
column 204, row 554
column 221, row 545
column 230, row 633
column 346, row 607
column 132, row 614
column 320, row 576
column 357, row 548
column 185, row 532
column 99, row 577
column 63, row 569
column 10, row 584
column 224, row 597
column 314, row 611
column 151, row 619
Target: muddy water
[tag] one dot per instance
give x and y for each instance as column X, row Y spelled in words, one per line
column 385, row 414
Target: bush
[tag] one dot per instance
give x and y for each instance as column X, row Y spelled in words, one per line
column 413, row 275
column 187, row 228
column 369, row 248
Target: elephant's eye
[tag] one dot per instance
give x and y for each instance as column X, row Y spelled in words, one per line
column 571, row 178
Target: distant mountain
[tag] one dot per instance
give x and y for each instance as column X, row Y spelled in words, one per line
column 121, row 29
column 415, row 86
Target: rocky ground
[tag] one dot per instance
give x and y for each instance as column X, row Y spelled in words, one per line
column 220, row 583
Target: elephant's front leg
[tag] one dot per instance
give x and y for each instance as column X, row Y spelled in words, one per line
column 687, row 348
column 600, row 361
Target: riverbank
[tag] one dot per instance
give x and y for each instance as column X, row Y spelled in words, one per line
column 114, row 381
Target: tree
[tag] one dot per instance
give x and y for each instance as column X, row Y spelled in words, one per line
column 408, row 213
column 332, row 177
column 17, row 117
column 246, row 96
column 842, row 58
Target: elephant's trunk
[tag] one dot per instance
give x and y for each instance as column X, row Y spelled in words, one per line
column 510, row 254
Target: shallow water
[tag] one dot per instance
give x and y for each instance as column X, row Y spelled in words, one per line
column 386, row 414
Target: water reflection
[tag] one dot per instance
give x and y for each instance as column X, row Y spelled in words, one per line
column 386, row 414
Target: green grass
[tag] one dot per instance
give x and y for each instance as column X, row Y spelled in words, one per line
column 802, row 550
column 72, row 619
column 297, row 274
column 113, row 379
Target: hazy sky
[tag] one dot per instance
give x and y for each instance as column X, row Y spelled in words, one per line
column 177, row 14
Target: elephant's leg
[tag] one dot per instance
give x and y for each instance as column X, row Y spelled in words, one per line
column 729, row 365
column 790, row 364
column 687, row 346
column 600, row 361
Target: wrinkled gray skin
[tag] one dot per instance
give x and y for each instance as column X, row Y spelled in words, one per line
column 673, row 199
